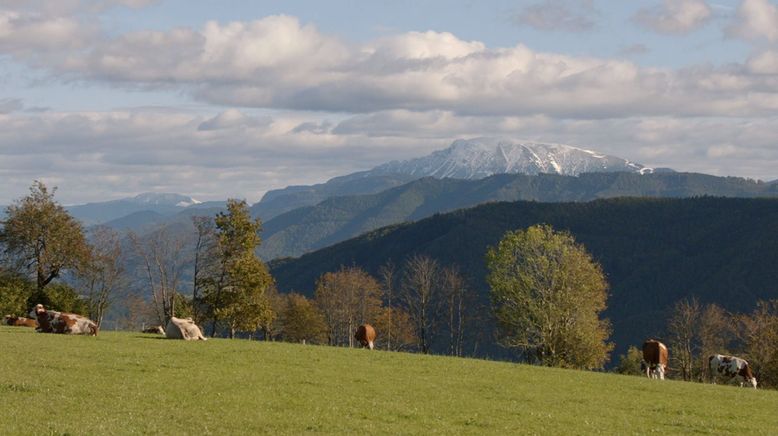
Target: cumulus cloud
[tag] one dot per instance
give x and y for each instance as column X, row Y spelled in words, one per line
column 278, row 62
column 675, row 16
column 558, row 15
column 756, row 20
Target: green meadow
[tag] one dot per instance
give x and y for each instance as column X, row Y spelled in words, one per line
column 131, row 383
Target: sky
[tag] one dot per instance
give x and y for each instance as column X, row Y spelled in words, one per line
column 106, row 99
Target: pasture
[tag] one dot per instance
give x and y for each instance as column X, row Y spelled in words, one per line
column 130, row 383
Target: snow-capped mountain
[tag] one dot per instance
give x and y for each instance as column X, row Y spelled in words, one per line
column 163, row 199
column 482, row 157
column 160, row 203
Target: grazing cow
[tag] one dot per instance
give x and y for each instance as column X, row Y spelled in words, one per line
column 183, row 328
column 19, row 322
column 654, row 362
column 51, row 321
column 732, row 368
column 365, row 335
column 156, row 330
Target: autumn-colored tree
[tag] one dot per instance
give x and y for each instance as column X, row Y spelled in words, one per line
column 758, row 332
column 548, row 294
column 303, row 321
column 347, row 298
column 40, row 238
column 397, row 321
column 714, row 334
column 235, row 291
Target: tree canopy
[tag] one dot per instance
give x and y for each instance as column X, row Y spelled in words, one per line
column 40, row 238
column 547, row 293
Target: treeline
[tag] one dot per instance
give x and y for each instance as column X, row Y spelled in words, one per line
column 696, row 331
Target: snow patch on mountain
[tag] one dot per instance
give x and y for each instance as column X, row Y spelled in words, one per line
column 482, row 157
column 164, row 199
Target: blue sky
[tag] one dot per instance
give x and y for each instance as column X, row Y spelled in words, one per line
column 109, row 98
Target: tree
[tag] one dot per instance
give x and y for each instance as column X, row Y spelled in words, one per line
column 160, row 258
column 759, row 335
column 40, row 238
column 455, row 291
column 397, row 321
column 347, row 298
column 715, row 333
column 420, row 293
column 547, row 294
column 205, row 260
column 15, row 291
column 303, row 321
column 387, row 274
column 236, row 289
column 630, row 363
column 103, row 271
column 683, row 329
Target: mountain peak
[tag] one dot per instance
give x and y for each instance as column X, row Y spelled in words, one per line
column 164, row 199
column 482, row 157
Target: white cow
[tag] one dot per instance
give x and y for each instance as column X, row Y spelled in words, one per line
column 733, row 368
column 179, row 328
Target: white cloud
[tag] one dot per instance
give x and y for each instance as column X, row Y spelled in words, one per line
column 756, row 20
column 559, row 15
column 675, row 16
column 99, row 155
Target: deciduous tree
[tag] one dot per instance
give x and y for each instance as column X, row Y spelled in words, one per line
column 103, row 273
column 303, row 321
column 39, row 237
column 548, row 294
column 421, row 294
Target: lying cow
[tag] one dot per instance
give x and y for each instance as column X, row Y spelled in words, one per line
column 365, row 335
column 654, row 362
column 732, row 368
column 51, row 321
column 179, row 328
column 156, row 330
column 19, row 321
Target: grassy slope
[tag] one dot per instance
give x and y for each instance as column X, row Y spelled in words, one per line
column 134, row 383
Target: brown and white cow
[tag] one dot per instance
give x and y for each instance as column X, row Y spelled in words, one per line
column 654, row 362
column 732, row 368
column 51, row 321
column 19, row 321
column 159, row 330
column 183, row 328
column 365, row 335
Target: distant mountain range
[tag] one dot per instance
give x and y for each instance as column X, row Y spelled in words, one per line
column 654, row 253
column 464, row 159
column 340, row 218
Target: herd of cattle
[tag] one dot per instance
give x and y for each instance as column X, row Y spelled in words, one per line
column 655, row 358
column 654, row 363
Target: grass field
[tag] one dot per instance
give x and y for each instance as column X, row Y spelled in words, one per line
column 125, row 383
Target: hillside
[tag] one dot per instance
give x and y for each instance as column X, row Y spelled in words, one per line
column 126, row 383
column 470, row 159
column 654, row 252
column 339, row 218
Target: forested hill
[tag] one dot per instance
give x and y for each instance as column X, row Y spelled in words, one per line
column 654, row 251
column 339, row 218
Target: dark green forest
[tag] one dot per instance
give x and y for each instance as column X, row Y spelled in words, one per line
column 343, row 217
column 654, row 252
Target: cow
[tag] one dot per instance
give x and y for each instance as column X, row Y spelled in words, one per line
column 19, row 321
column 159, row 330
column 654, row 362
column 731, row 367
column 366, row 336
column 51, row 321
column 183, row 328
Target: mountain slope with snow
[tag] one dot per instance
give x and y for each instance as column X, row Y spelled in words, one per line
column 482, row 157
